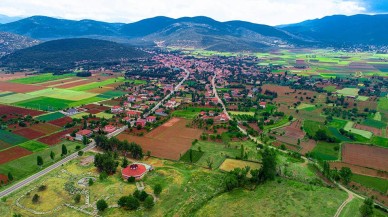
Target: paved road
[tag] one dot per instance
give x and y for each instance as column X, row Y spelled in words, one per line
column 52, row 167
column 170, row 94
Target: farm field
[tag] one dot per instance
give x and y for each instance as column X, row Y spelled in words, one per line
column 231, row 164
column 366, row 156
column 378, row 184
column 164, row 142
column 41, row 78
column 50, row 117
column 326, row 151
column 348, row 92
column 23, row 164
column 33, row 146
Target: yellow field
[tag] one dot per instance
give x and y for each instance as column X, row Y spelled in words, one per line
column 231, row 164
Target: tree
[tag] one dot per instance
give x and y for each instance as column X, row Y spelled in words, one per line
column 143, row 195
column 366, row 209
column 77, row 198
column 35, row 198
column 85, row 140
column 39, row 161
column 52, row 155
column 268, row 169
column 131, row 179
column 158, row 189
column 191, row 155
column 128, row 202
column 64, row 150
column 125, row 162
column 106, row 162
column 326, row 169
column 101, row 205
column 90, row 182
column 209, row 162
column 242, row 152
column 149, row 202
column 10, row 177
column 103, row 175
column 345, row 174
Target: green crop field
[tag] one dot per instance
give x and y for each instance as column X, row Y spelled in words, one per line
column 283, row 198
column 85, row 101
column 41, row 78
column 80, row 115
column 380, row 141
column 196, row 155
column 374, row 123
column 50, row 117
column 338, row 123
column 62, row 94
column 378, row 184
column 326, row 151
column 33, row 146
column 93, row 85
column 45, row 103
column 11, row 138
column 382, row 105
column 349, row 127
column 377, row 116
column 14, row 98
column 111, row 94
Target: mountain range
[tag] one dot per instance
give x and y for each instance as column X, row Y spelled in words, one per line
column 207, row 33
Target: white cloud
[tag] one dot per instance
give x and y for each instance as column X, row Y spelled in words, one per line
column 271, row 12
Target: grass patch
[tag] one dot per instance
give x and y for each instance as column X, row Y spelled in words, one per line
column 50, row 117
column 33, row 146
column 196, row 155
column 305, row 106
column 104, row 115
column 378, row 184
column 185, row 114
column 362, row 98
column 326, row 151
column 330, row 88
column 377, row 116
column 279, row 123
column 349, row 91
column 241, row 113
column 338, row 123
column 283, row 198
column 85, row 101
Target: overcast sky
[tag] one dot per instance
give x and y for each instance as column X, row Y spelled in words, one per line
column 272, row 12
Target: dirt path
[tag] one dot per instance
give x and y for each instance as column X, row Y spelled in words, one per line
column 339, row 210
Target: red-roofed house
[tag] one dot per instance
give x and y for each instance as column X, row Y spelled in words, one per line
column 80, row 134
column 151, row 119
column 134, row 170
column 263, row 104
column 116, row 109
column 141, row 122
column 109, row 128
column 133, row 113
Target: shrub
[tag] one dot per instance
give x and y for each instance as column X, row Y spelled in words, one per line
column 157, row 189
column 149, row 202
column 101, row 205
